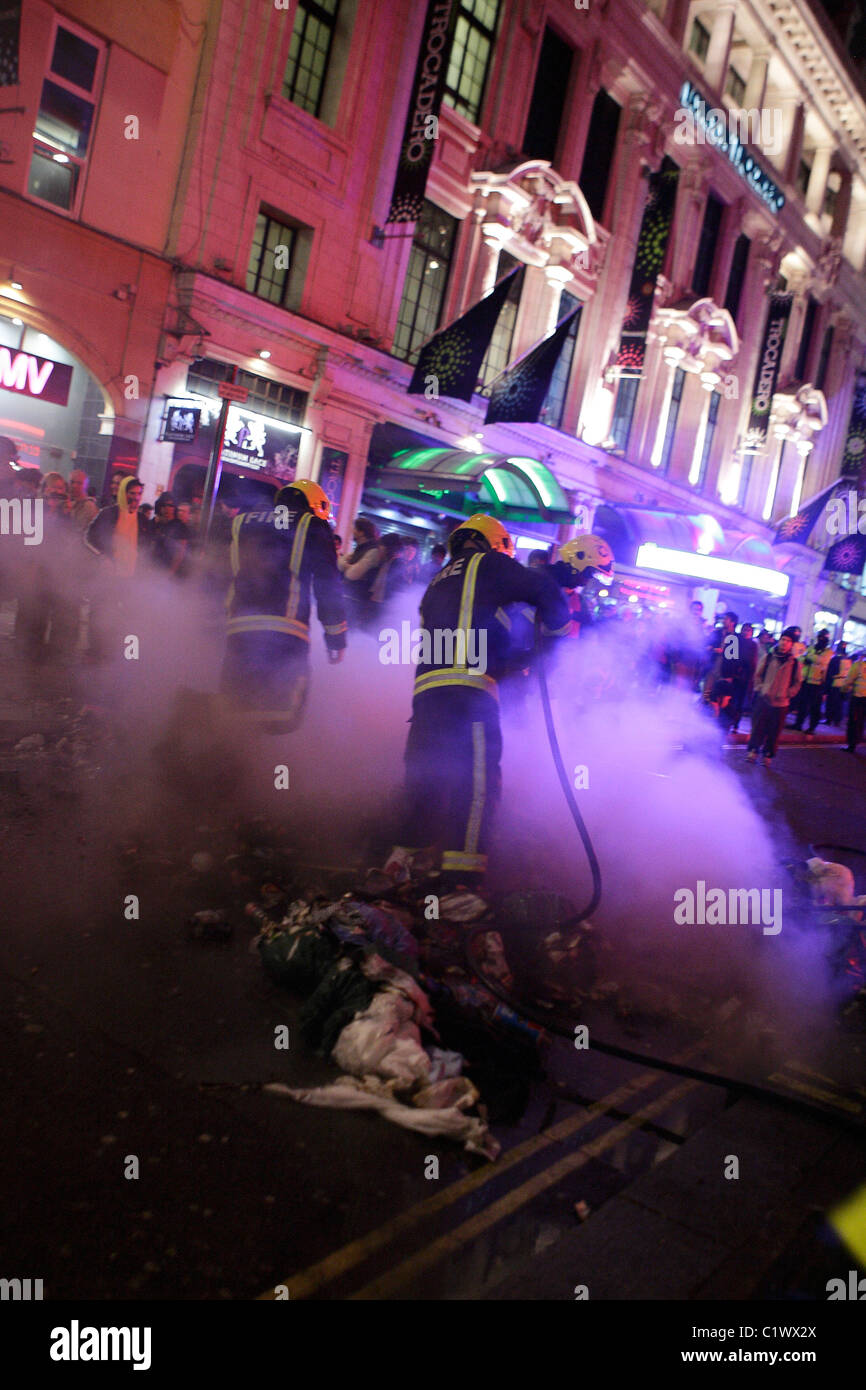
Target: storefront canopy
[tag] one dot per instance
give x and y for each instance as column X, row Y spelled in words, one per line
column 694, row 547
column 511, row 486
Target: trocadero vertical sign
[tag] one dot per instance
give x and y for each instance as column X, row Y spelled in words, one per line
column 767, row 373
column 419, row 135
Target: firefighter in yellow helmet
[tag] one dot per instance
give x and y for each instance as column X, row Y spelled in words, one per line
column 455, row 744
column 277, row 557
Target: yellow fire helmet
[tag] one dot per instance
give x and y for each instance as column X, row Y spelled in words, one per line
column 487, row 526
column 588, row 553
column 318, row 500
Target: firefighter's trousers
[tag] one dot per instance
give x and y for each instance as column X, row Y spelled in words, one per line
column 265, row 675
column 453, row 776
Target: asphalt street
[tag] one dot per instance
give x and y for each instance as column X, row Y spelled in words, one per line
column 148, row 1162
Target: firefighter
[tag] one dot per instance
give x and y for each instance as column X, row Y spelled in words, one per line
column 455, row 744
column 276, row 557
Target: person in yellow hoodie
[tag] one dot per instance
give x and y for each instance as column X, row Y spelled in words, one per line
column 116, row 536
column 855, row 685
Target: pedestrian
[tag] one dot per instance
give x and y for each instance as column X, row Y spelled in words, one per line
column 410, row 565
column 169, row 538
column 391, row 575
column 816, row 662
column 745, row 680
column 855, row 685
column 726, row 670
column 46, row 623
column 117, row 537
column 278, row 558
column 359, row 571
column 455, row 743
column 837, row 674
column 82, row 507
column 437, row 559
column 777, row 681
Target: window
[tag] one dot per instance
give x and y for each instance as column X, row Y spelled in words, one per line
column 709, row 240
column 267, row 397
column 831, row 195
column 623, row 410
column 546, row 108
column 65, row 120
column 699, row 40
column 804, row 173
column 426, row 281
column 469, row 62
column 554, row 402
column 673, row 416
column 309, row 53
column 735, row 88
column 712, row 420
column 278, row 261
column 806, row 339
column 824, row 359
column 599, row 153
column 498, row 354
column 737, row 275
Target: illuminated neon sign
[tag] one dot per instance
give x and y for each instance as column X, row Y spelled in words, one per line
column 35, row 376
column 712, row 568
column 719, row 129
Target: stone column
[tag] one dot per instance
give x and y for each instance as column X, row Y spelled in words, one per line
column 761, row 270
column 676, row 19
column 719, row 51
column 854, row 245
column 787, row 157
column 732, row 225
column 843, row 206
column 599, row 334
column 694, row 182
column 756, row 82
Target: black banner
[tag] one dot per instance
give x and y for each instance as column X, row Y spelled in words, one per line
column 854, row 457
column 847, row 556
column 767, row 373
column 449, row 364
column 419, row 140
column 520, row 392
column 655, row 229
column 10, row 29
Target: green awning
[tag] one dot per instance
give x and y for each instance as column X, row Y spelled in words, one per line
column 508, row 485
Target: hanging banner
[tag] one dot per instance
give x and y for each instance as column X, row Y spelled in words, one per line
column 767, row 373
column 655, row 229
column 422, row 118
column 449, row 364
column 847, row 556
column 854, row 457
column 520, row 392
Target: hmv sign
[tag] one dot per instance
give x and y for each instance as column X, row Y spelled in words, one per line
column 28, row 375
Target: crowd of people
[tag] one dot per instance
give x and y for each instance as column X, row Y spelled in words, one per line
column 90, row 554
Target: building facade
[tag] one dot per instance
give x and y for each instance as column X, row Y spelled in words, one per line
column 94, row 103
column 688, row 430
